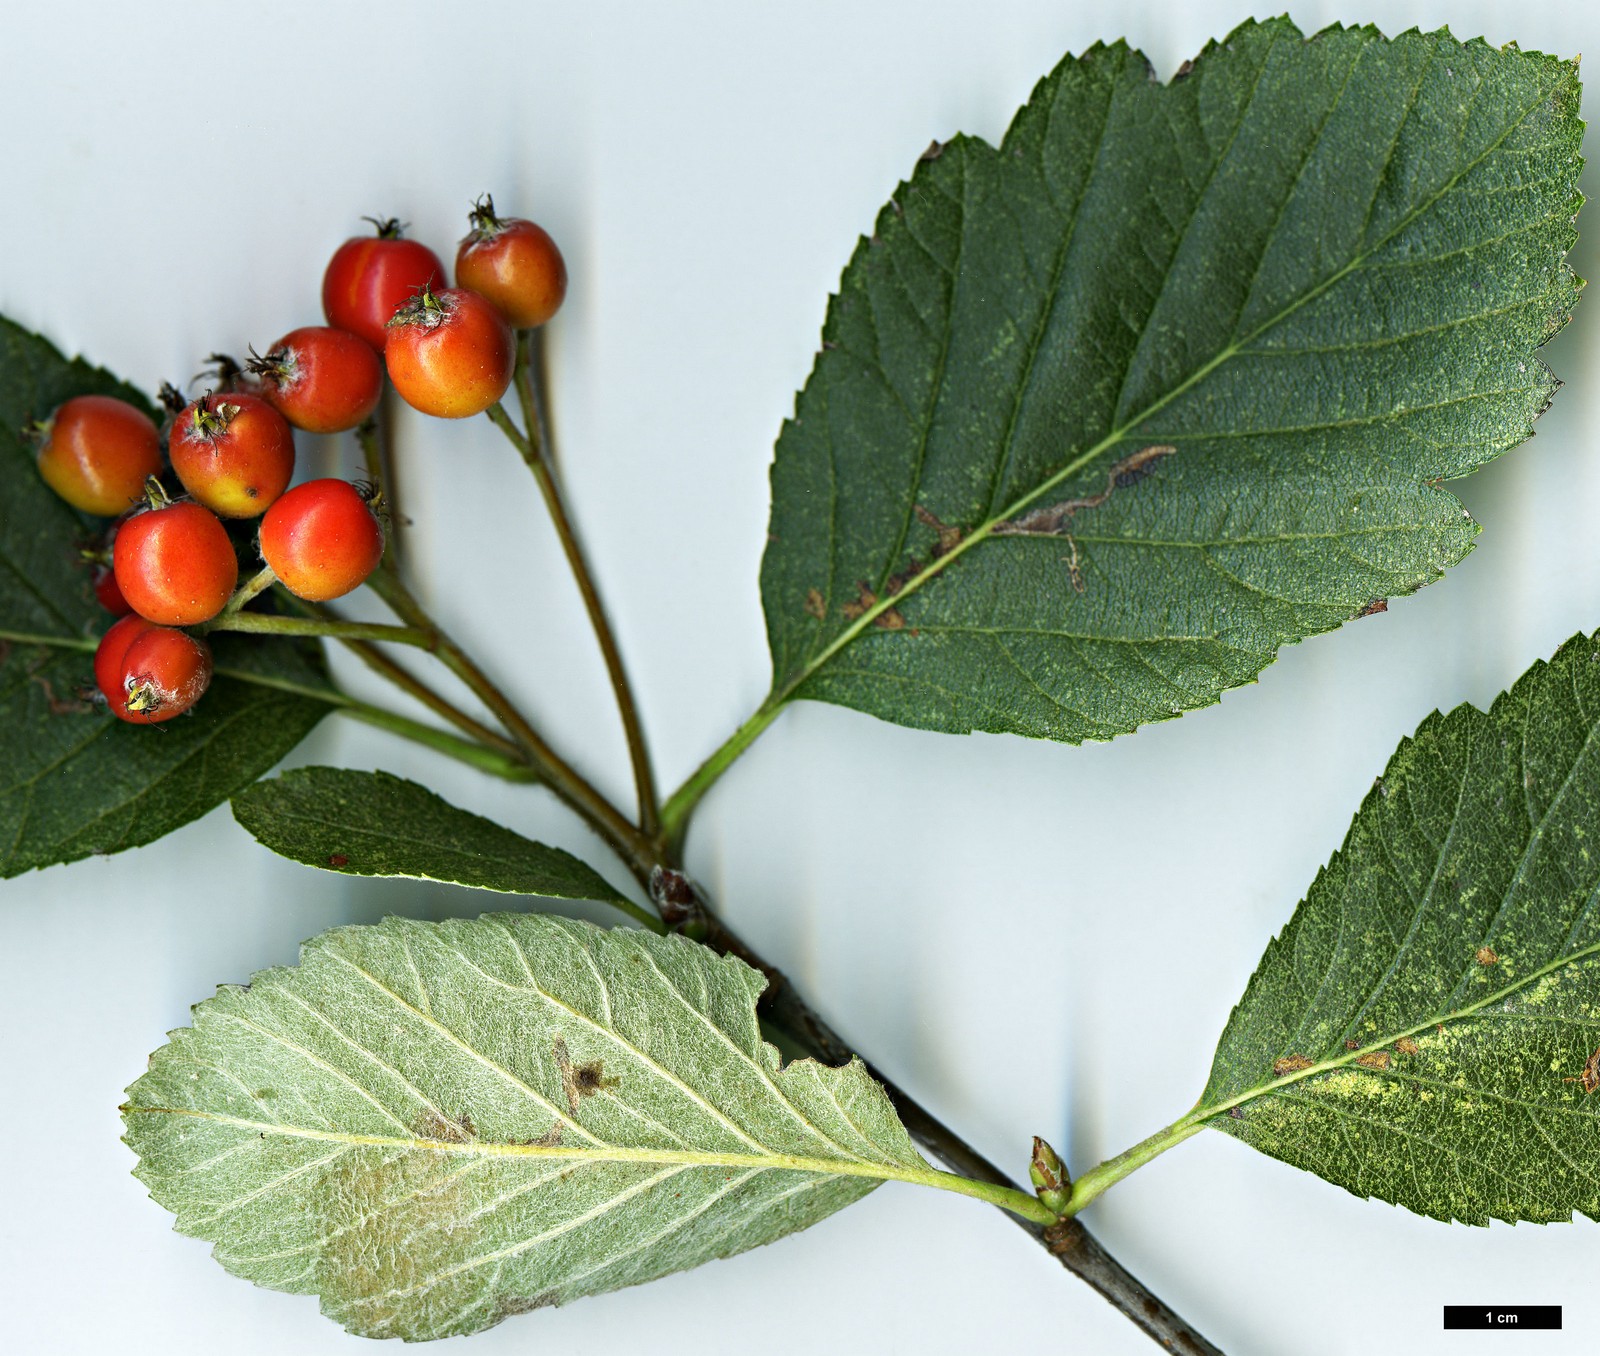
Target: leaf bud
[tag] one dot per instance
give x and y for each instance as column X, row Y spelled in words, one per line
column 1049, row 1177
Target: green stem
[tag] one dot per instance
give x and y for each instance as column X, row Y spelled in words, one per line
column 257, row 583
column 376, row 437
column 88, row 643
column 265, row 624
column 675, row 815
column 387, row 667
column 1113, row 1170
column 622, row 836
column 492, row 761
column 532, row 443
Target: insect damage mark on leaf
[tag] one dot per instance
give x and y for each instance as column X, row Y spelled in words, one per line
column 432, row 1125
column 1374, row 1059
column 1051, row 520
column 1372, row 609
column 948, row 537
column 864, row 601
column 1288, row 1064
column 579, row 1080
column 1589, row 1079
column 816, row 605
column 512, row 1306
column 1487, row 956
column 403, row 1207
column 1406, row 1046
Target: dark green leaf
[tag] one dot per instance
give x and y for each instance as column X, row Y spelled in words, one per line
column 75, row 781
column 1427, row 1028
column 435, row 1126
column 1107, row 415
column 44, row 586
column 376, row 824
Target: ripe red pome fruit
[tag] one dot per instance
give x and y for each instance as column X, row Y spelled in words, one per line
column 321, row 379
column 322, row 539
column 369, row 277
column 150, row 673
column 175, row 564
column 233, row 452
column 513, row 263
column 450, row 353
column 97, row 452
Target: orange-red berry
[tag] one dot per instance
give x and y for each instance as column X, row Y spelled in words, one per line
column 450, row 353
column 514, row 263
column 322, row 539
column 233, row 452
column 175, row 565
column 97, row 452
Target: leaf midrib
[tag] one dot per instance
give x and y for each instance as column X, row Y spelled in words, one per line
column 984, row 530
column 601, row 1153
column 1353, row 1057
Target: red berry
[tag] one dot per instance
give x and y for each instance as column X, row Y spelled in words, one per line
column 97, row 452
column 321, row 539
column 514, row 263
column 164, row 673
column 175, row 565
column 102, row 579
column 450, row 353
column 320, row 379
column 108, row 657
column 107, row 594
column 369, row 277
column 233, row 452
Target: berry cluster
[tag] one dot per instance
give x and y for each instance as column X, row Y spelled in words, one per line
column 171, row 562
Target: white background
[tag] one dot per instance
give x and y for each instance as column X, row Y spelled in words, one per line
column 1032, row 938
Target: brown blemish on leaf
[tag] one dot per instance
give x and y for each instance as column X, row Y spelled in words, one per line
column 1352, row 1045
column 934, row 151
column 431, row 1125
column 1374, row 1059
column 1486, row 956
column 1051, row 520
column 1406, row 1046
column 338, row 859
column 513, row 1305
column 61, row 706
column 864, row 601
column 1375, row 606
column 890, row 619
column 390, row 1224
column 1589, row 1079
column 816, row 605
column 949, row 537
column 579, row 1080
column 1288, row 1064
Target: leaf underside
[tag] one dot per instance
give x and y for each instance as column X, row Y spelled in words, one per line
column 435, row 1126
column 1426, row 1029
column 74, row 780
column 1105, row 416
column 377, row 824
